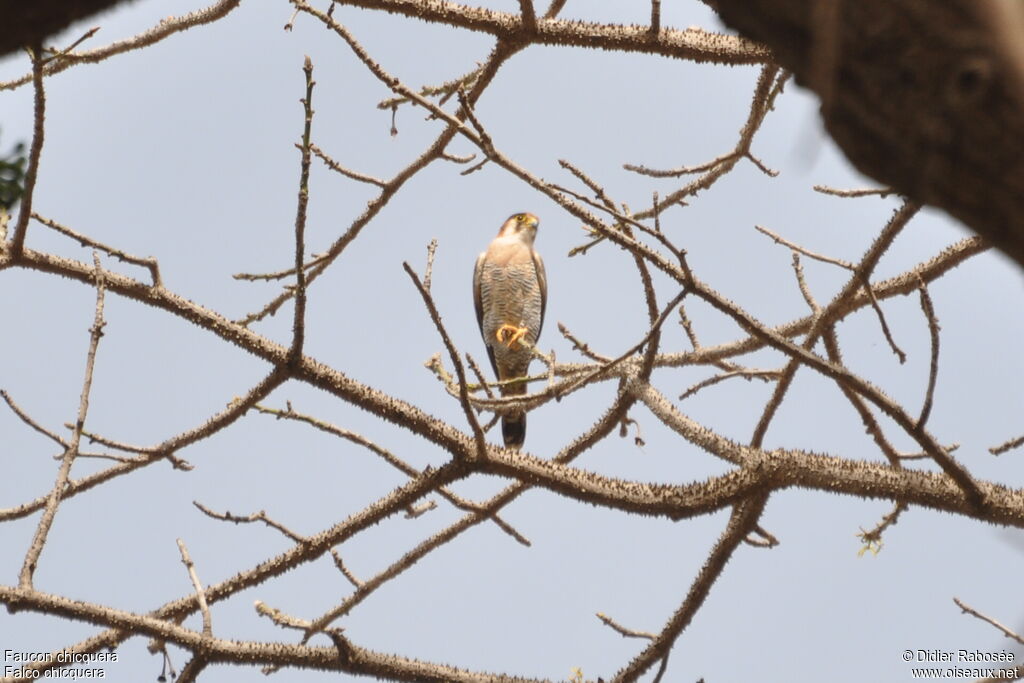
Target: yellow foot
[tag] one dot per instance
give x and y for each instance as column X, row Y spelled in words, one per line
column 510, row 334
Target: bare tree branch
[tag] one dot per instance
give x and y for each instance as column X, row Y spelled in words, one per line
column 166, row 28
column 186, row 559
column 693, row 44
column 28, row 567
column 974, row 613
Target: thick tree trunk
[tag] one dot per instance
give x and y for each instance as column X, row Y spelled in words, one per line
column 920, row 94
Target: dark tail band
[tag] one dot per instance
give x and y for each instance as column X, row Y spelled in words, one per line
column 513, row 430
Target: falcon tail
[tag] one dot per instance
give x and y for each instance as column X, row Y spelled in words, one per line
column 513, row 430
column 513, row 427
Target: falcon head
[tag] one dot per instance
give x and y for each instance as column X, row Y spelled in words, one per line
column 522, row 226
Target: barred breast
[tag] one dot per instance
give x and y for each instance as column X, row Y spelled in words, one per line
column 511, row 296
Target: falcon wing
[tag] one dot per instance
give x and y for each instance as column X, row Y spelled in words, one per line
column 478, row 304
column 542, row 283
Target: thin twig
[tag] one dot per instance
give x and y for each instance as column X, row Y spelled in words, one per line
column 481, row 380
column 805, row 290
column 581, row 346
column 348, row 173
column 260, row 516
column 278, row 617
column 24, row 417
column 687, row 325
column 419, row 509
column 1009, row 633
column 601, row 370
column 56, row 54
column 467, row 111
column 316, row 260
column 933, row 366
column 299, row 319
column 924, row 455
column 428, row 272
column 204, row 608
column 444, row 90
column 149, row 263
column 28, row 567
column 1007, row 445
column 456, row 159
column 806, row 252
column 102, row 456
column 35, row 150
column 119, row 445
column 765, row 375
column 475, row 167
column 761, row 166
column 871, row 425
column 682, row 170
column 873, row 539
column 869, row 192
column 340, row 564
column 622, row 630
column 589, row 182
column 291, row 21
column 453, row 354
column 767, row 540
column 900, row 353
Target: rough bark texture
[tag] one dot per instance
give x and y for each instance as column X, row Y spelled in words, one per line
column 918, row 95
column 27, row 22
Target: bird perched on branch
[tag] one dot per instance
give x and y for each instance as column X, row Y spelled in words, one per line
column 510, row 291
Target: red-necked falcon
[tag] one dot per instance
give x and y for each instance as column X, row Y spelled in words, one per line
column 510, row 291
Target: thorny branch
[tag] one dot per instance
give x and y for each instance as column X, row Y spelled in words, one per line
column 186, row 560
column 166, row 28
column 28, row 567
column 1009, row 633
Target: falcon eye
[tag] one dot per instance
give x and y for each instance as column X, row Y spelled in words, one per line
column 521, row 217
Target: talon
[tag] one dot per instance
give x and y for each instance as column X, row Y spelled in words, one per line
column 510, row 334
